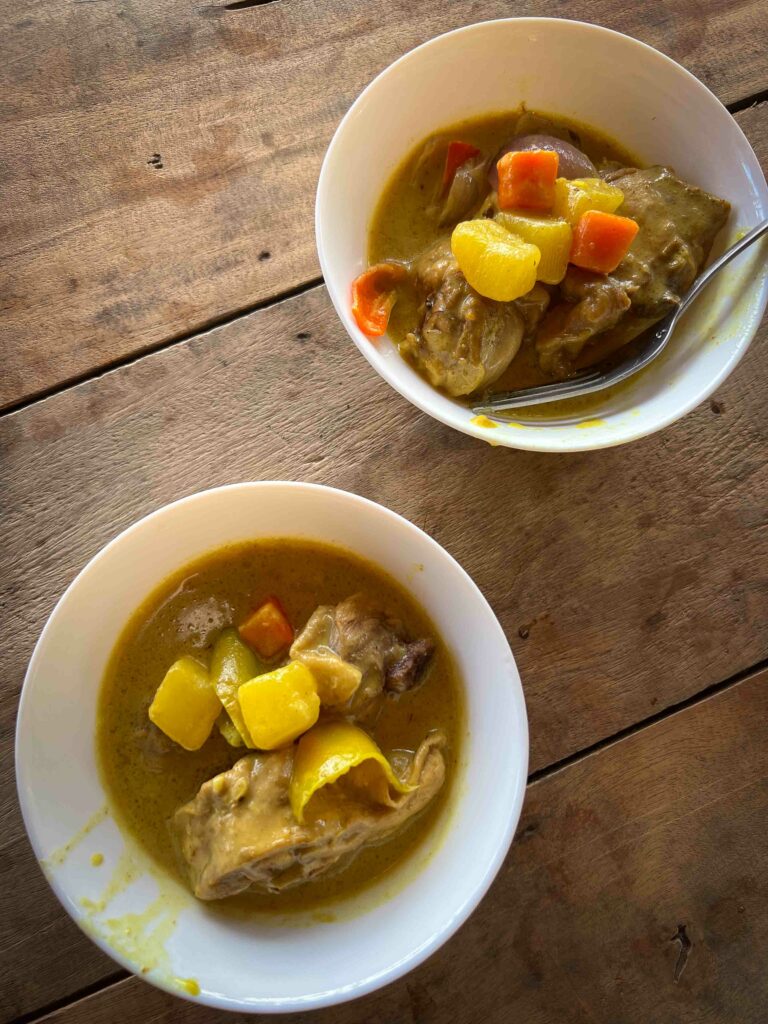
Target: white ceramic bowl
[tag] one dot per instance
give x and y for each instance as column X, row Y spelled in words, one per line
column 628, row 90
column 260, row 965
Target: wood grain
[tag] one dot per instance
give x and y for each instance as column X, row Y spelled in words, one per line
column 658, row 836
column 158, row 161
column 627, row 579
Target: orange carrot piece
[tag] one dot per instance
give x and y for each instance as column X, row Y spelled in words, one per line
column 458, row 153
column 527, row 179
column 602, row 240
column 268, row 630
column 374, row 295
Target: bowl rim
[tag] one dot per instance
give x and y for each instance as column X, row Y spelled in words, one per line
column 451, row 922
column 530, row 440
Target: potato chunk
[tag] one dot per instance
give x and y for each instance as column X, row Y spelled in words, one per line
column 574, row 198
column 496, row 263
column 552, row 236
column 280, row 705
column 185, row 705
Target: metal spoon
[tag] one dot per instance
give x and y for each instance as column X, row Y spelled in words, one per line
column 655, row 340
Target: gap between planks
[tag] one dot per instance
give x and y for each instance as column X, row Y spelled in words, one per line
column 151, row 350
column 645, row 723
column 83, row 993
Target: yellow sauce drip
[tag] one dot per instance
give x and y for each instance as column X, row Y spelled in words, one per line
column 188, row 985
column 58, row 856
column 140, row 937
column 483, row 421
column 126, row 872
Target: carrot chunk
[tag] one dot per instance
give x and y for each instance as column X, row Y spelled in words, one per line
column 602, row 240
column 374, row 295
column 458, row 153
column 268, row 630
column 527, row 179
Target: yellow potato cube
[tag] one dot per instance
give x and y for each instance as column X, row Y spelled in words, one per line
column 185, row 705
column 496, row 263
column 550, row 235
column 280, row 705
column 576, row 197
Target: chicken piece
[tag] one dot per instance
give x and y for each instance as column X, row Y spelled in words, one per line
column 154, row 747
column 403, row 671
column 533, row 306
column 678, row 224
column 594, row 303
column 240, row 833
column 355, row 637
column 317, row 647
column 465, row 342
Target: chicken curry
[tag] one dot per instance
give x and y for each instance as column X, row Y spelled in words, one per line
column 518, row 248
column 279, row 723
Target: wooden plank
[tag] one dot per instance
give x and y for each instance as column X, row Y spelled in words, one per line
column 635, row 892
column 664, row 596
column 680, row 515
column 159, row 161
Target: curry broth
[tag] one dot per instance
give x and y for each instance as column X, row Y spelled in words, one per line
column 184, row 616
column 399, row 229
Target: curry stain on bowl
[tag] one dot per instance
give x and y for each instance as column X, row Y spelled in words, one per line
column 60, row 854
column 124, row 874
column 484, row 421
column 486, row 424
column 724, row 329
column 140, row 937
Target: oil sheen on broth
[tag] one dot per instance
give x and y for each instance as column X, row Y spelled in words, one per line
column 184, row 616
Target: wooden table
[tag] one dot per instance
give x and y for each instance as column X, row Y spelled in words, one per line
column 163, row 324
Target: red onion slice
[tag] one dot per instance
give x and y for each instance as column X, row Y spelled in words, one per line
column 573, row 163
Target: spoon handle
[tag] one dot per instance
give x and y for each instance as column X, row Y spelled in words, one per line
column 728, row 255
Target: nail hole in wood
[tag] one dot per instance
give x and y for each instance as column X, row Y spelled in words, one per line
column 530, row 830
column 265, row 254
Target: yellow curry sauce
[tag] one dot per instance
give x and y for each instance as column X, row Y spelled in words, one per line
column 185, row 616
column 399, row 230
